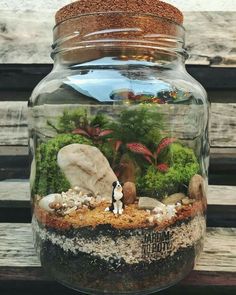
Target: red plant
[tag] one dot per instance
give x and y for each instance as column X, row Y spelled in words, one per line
column 152, row 158
column 94, row 133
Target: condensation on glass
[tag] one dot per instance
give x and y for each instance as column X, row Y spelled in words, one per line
column 119, row 149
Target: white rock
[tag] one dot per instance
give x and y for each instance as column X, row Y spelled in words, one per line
column 45, row 201
column 151, row 219
column 173, row 199
column 170, row 210
column 87, row 168
column 159, row 217
column 149, row 203
column 158, row 210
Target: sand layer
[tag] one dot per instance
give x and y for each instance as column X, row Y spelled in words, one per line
column 132, row 218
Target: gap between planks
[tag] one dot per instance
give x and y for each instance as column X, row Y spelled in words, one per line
column 18, row 190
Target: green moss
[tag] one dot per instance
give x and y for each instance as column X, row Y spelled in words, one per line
column 49, row 178
column 138, row 124
column 180, row 155
column 107, row 150
column 78, row 118
column 183, row 165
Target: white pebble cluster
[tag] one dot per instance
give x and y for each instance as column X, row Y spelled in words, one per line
column 70, row 201
column 162, row 213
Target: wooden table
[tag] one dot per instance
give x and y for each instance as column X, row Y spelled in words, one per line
column 20, row 269
column 25, row 35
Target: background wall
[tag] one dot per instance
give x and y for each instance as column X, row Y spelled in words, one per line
column 25, row 41
column 26, row 30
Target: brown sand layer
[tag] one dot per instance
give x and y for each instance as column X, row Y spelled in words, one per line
column 132, row 218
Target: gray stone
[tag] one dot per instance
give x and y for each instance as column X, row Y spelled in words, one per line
column 149, row 203
column 187, row 201
column 173, row 199
column 87, row 168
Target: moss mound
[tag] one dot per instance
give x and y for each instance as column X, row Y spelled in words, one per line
column 49, row 178
column 183, row 165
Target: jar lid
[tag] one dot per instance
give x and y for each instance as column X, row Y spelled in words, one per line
column 154, row 7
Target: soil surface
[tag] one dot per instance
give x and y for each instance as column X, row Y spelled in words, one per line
column 132, row 217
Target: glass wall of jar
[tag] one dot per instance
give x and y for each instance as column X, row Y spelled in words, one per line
column 119, row 148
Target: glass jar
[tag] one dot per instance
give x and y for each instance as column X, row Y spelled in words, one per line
column 119, row 146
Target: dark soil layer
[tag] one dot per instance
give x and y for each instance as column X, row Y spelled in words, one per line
column 93, row 275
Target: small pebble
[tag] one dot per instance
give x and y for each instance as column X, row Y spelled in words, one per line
column 185, row 201
column 173, row 199
column 158, row 210
column 151, row 219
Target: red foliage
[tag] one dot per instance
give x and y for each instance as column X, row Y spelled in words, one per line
column 117, row 145
column 162, row 167
column 92, row 132
column 148, row 159
column 148, row 155
column 80, row 132
column 105, row 132
column 139, row 149
column 164, row 143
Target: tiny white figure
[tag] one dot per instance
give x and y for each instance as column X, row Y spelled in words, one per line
column 117, row 206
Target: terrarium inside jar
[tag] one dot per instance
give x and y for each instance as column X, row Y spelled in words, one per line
column 119, row 145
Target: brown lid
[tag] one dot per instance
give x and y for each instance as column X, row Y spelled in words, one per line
column 156, row 7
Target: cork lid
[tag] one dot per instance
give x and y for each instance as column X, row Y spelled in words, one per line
column 154, row 7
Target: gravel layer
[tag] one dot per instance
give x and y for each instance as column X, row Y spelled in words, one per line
column 129, row 246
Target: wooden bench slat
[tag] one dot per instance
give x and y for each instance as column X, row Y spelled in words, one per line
column 15, row 203
column 216, row 46
column 217, row 260
column 18, row 190
column 14, row 190
column 13, row 122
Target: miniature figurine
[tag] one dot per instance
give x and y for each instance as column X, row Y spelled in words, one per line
column 117, row 205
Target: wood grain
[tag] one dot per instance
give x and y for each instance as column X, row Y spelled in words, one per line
column 15, row 203
column 14, row 190
column 16, row 248
column 221, row 195
column 13, row 123
column 18, row 190
column 26, row 36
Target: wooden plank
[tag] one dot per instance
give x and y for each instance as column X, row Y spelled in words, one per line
column 216, row 263
column 13, row 122
column 219, row 251
column 18, row 190
column 15, row 164
column 14, row 190
column 216, row 45
column 10, row 150
column 16, row 245
column 15, row 204
column 221, row 195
